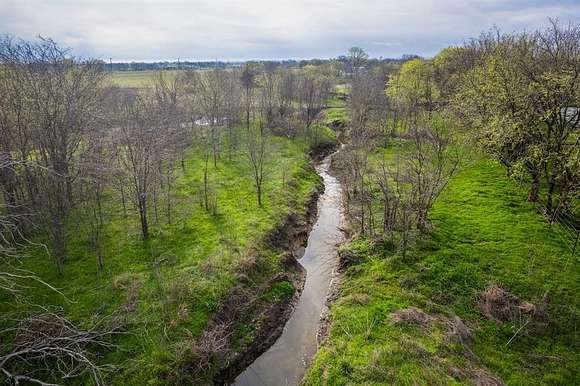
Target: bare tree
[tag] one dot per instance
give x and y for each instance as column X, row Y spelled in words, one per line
column 55, row 101
column 358, row 168
column 368, row 101
column 429, row 166
column 314, row 89
column 212, row 88
column 257, row 144
column 96, row 173
column 386, row 181
column 232, row 108
column 176, row 136
column 248, row 82
column 203, row 136
column 268, row 86
column 286, row 95
column 142, row 143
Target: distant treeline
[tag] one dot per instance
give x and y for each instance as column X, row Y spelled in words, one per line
column 288, row 63
column 178, row 65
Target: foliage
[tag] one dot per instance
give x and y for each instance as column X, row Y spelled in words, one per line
column 519, row 92
column 412, row 89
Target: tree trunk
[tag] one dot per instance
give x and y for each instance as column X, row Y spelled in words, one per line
column 534, row 188
column 362, row 205
column 422, row 221
column 248, row 117
column 168, row 200
column 155, row 206
column 205, row 184
column 550, row 197
column 371, row 218
column 143, row 216
column 123, row 202
column 98, row 214
column 385, row 216
column 59, row 241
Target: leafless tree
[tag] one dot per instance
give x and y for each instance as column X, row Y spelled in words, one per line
column 54, row 100
column 386, row 180
column 203, row 137
column 97, row 167
column 211, row 92
column 248, row 83
column 286, row 95
column 142, row 140
column 368, row 101
column 268, row 87
column 176, row 136
column 314, row 89
column 232, row 108
column 358, row 163
column 257, row 144
column 428, row 167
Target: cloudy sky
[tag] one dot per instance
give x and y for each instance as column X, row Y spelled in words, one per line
column 268, row 29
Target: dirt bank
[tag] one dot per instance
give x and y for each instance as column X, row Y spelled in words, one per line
column 253, row 315
column 268, row 318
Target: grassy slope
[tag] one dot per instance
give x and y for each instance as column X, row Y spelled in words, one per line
column 198, row 252
column 484, row 232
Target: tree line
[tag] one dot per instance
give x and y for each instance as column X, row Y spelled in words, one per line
column 515, row 96
column 75, row 151
column 72, row 145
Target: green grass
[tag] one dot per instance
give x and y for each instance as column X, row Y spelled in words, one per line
column 484, row 232
column 280, row 290
column 137, row 79
column 342, row 89
column 336, row 112
column 173, row 283
column 336, row 115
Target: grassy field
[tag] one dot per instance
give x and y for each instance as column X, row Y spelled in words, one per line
column 484, row 233
column 137, row 79
column 167, row 288
column 336, row 113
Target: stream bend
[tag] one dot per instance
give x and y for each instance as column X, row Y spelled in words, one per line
column 285, row 363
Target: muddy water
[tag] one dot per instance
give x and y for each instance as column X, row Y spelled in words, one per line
column 287, row 360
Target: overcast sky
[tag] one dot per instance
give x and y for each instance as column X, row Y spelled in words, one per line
column 268, row 29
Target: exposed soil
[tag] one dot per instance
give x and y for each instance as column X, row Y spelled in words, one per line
column 318, row 152
column 269, row 320
column 243, row 304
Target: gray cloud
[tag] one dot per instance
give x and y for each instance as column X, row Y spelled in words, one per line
column 238, row 29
